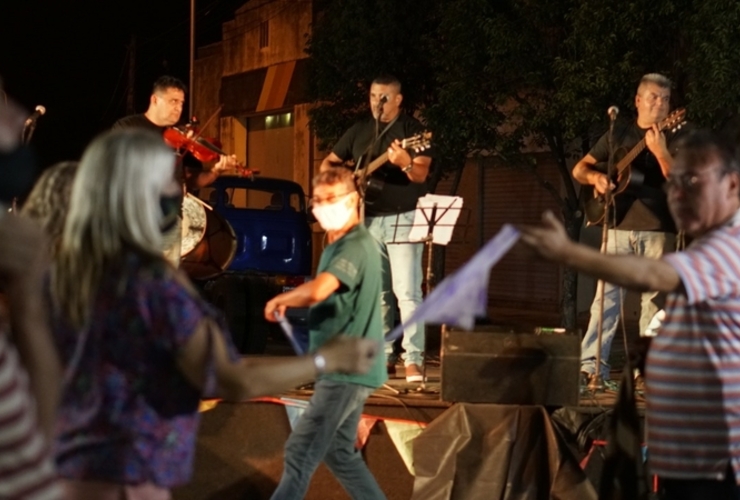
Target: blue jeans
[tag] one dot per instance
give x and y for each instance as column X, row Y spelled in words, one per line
column 401, row 277
column 650, row 244
column 327, row 431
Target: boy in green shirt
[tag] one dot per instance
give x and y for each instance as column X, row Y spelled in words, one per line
column 343, row 298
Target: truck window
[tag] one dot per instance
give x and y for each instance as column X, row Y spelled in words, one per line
column 296, row 202
column 208, row 194
column 238, row 197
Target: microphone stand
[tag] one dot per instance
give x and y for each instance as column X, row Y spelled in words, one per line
column 597, row 381
column 28, row 128
column 362, row 180
column 429, row 241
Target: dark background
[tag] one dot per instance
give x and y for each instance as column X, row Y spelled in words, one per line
column 72, row 57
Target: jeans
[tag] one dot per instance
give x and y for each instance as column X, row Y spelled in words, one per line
column 327, row 431
column 650, row 244
column 401, row 277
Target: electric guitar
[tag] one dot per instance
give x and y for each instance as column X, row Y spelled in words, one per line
column 373, row 185
column 594, row 208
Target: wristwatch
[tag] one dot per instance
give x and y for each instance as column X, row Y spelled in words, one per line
column 319, row 363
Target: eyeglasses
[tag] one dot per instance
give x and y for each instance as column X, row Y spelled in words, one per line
column 329, row 199
column 689, row 182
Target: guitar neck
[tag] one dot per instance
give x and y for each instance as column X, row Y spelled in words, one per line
column 374, row 165
column 629, row 157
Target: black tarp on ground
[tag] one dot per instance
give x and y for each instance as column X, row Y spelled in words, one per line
column 506, row 452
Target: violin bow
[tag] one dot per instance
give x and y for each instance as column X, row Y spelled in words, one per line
column 208, row 122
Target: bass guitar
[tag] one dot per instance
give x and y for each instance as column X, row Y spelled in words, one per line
column 594, row 208
column 373, row 185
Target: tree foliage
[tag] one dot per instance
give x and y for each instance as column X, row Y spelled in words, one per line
column 352, row 42
column 502, row 77
column 712, row 63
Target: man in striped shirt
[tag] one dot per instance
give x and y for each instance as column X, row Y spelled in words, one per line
column 693, row 367
column 29, row 368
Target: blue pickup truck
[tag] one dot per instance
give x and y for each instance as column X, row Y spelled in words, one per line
column 256, row 243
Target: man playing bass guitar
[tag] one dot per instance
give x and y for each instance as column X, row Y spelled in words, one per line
column 391, row 193
column 639, row 221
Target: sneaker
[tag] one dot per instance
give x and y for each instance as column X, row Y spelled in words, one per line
column 390, row 369
column 585, row 379
column 413, row 373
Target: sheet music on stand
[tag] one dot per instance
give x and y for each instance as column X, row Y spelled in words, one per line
column 434, row 221
column 436, row 216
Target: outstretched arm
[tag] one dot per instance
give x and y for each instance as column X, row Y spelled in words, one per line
column 637, row 273
column 304, row 295
column 252, row 377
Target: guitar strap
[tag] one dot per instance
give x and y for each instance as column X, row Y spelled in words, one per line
column 373, row 146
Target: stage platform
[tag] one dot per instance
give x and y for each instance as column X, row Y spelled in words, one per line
column 240, row 445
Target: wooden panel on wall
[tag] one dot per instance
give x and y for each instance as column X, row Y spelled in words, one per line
column 519, row 286
column 207, row 86
column 515, row 196
column 234, row 137
column 271, row 145
column 302, row 147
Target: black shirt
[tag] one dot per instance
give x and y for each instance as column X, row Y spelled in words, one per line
column 138, row 121
column 643, row 206
column 141, row 121
column 399, row 194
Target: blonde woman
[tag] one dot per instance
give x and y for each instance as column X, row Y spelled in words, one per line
column 140, row 346
column 48, row 201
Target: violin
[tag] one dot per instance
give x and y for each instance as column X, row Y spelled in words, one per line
column 188, row 138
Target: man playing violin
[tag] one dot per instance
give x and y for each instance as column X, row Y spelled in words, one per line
column 165, row 109
column 390, row 214
column 641, row 223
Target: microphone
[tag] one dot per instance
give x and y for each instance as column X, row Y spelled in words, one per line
column 381, row 102
column 40, row 110
column 613, row 111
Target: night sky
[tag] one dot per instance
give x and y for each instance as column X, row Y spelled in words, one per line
column 71, row 57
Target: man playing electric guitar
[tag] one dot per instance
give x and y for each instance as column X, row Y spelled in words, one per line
column 390, row 200
column 640, row 222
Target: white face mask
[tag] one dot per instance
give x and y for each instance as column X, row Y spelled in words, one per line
column 333, row 216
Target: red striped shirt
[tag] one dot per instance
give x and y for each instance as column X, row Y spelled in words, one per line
column 26, row 467
column 693, row 368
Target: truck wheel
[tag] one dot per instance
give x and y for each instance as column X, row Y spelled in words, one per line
column 229, row 295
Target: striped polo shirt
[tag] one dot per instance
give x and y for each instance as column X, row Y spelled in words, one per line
column 26, row 466
column 693, row 367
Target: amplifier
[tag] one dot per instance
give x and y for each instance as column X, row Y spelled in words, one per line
column 493, row 364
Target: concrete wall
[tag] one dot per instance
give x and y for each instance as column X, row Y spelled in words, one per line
column 207, row 76
column 288, row 24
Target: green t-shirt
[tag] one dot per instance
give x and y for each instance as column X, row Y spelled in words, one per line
column 354, row 309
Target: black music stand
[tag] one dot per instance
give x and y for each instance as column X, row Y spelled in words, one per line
column 434, row 221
